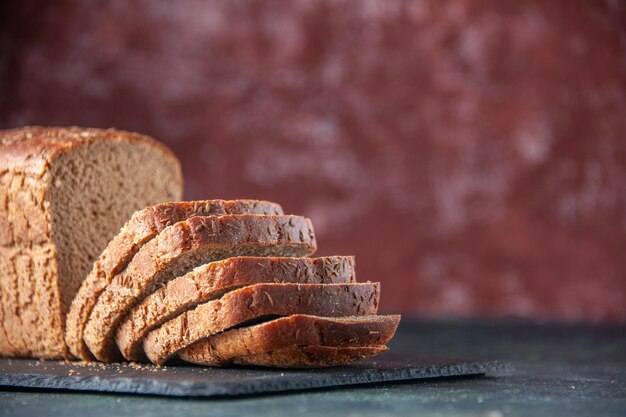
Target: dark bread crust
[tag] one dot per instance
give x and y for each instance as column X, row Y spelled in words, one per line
column 31, row 149
column 211, row 280
column 143, row 226
column 310, row 356
column 181, row 247
column 152, row 220
column 292, row 331
column 258, row 301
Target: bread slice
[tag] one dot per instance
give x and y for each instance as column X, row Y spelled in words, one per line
column 289, row 332
column 64, row 193
column 310, row 356
column 256, row 302
column 182, row 247
column 143, row 226
column 211, row 280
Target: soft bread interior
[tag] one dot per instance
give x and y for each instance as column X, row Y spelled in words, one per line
column 94, row 189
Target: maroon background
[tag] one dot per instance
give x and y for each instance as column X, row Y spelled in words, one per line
column 472, row 154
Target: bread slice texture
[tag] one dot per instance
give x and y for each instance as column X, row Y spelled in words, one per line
column 211, row 280
column 143, row 226
column 180, row 248
column 290, row 332
column 64, row 193
column 255, row 302
column 310, row 356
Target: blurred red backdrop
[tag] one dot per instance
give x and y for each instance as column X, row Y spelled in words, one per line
column 472, row 154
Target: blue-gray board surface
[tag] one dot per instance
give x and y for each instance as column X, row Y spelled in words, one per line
column 209, row 382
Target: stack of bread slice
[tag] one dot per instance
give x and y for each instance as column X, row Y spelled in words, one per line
column 224, row 282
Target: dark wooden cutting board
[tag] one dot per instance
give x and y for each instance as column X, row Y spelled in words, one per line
column 210, row 382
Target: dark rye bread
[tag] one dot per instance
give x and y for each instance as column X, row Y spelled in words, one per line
column 256, row 302
column 143, row 226
column 289, row 332
column 180, row 248
column 211, row 280
column 310, row 356
column 64, row 193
